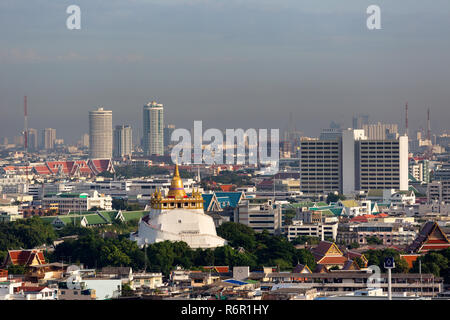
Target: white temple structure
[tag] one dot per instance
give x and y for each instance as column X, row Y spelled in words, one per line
column 177, row 217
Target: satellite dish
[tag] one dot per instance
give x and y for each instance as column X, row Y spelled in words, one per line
column 73, row 268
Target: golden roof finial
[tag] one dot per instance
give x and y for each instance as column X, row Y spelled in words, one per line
column 176, row 187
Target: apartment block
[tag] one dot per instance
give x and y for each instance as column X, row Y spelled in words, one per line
column 260, row 214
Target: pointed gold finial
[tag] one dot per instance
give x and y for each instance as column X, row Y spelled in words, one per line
column 176, row 187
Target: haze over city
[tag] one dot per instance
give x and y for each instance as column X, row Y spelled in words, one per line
column 240, row 63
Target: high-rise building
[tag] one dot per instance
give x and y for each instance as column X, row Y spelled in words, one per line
column 320, row 166
column 18, row 140
column 380, row 131
column 360, row 120
column 100, row 134
column 85, row 140
column 353, row 163
column 48, row 137
column 168, row 129
column 32, row 139
column 123, row 141
column 153, row 136
column 382, row 164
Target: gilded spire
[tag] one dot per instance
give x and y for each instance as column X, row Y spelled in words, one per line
column 176, row 187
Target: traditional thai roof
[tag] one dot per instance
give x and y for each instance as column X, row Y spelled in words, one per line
column 352, row 255
column 233, row 198
column 431, row 237
column 25, row 257
column 98, row 166
column 349, row 203
column 321, row 268
column 301, row 268
column 133, row 215
column 220, row 200
column 328, row 253
column 350, row 265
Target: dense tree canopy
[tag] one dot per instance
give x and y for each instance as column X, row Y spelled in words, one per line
column 25, row 234
column 435, row 262
column 376, row 257
column 331, row 197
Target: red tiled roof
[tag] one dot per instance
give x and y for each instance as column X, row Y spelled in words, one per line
column 29, row 289
column 25, row 257
column 42, row 169
column 219, row 269
column 226, row 187
column 100, row 165
column 333, row 260
column 429, row 232
column 427, row 247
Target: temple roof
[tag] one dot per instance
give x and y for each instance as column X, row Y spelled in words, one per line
column 431, row 237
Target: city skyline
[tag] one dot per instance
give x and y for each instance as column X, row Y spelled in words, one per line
column 310, row 60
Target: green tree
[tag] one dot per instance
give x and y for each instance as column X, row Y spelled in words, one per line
column 118, row 204
column 374, row 240
column 305, row 257
column 15, row 269
column 305, row 240
column 377, row 257
column 331, row 197
column 237, row 235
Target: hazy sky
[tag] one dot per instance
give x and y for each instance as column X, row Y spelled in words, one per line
column 230, row 63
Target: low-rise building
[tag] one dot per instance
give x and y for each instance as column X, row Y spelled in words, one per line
column 390, row 234
column 76, row 202
column 260, row 214
column 318, row 230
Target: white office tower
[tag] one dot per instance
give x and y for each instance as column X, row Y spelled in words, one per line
column 123, row 141
column 353, row 163
column 382, row 164
column 403, row 146
column 349, row 137
column 100, row 134
column 153, row 137
column 48, row 137
column 177, row 217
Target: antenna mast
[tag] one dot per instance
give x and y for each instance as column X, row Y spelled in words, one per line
column 25, row 140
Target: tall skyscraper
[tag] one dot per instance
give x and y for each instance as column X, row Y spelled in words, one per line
column 123, row 141
column 153, row 136
column 48, row 137
column 100, row 134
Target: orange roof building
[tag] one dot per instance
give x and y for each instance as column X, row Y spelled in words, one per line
column 431, row 237
column 24, row 258
column 328, row 254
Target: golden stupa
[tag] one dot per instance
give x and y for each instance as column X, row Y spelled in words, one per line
column 176, row 197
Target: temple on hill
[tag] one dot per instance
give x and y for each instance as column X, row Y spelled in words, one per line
column 177, row 217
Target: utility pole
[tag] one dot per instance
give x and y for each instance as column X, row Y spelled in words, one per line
column 389, row 264
column 420, row 272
